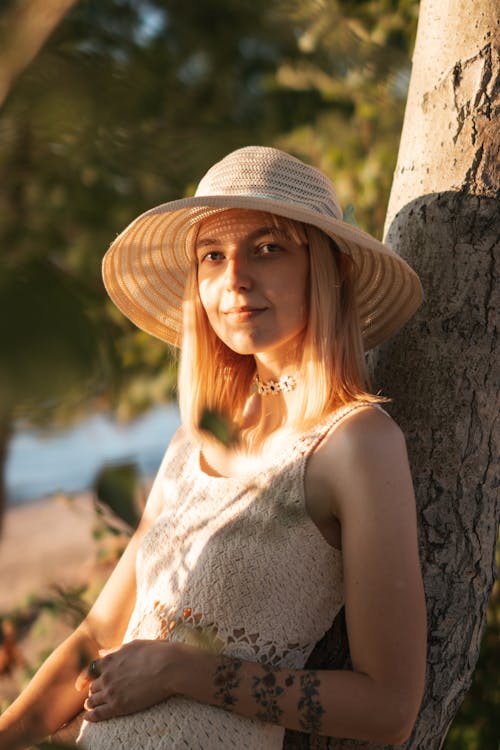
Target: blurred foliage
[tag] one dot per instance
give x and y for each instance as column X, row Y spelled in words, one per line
column 49, row 338
column 356, row 57
column 35, row 619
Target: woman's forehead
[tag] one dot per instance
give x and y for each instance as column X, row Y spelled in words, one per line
column 236, row 222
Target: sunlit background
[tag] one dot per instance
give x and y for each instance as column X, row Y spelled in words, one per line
column 108, row 108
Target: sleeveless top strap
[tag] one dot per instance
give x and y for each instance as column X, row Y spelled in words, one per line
column 309, row 440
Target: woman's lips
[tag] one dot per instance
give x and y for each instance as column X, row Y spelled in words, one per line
column 244, row 312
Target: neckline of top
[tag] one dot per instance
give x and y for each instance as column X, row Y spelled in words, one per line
column 293, row 450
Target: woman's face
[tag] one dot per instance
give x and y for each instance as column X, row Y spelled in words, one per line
column 252, row 281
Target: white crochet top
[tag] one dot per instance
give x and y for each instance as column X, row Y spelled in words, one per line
column 237, row 566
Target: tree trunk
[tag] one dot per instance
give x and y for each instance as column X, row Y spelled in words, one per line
column 26, row 27
column 444, row 218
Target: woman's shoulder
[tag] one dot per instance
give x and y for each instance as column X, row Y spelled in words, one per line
column 365, row 427
column 364, row 438
column 364, row 419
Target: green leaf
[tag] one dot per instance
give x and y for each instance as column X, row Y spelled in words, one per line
column 116, row 487
column 219, row 426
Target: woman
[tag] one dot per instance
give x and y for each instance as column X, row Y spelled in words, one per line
column 247, row 549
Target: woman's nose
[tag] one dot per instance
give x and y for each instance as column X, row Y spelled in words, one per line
column 237, row 274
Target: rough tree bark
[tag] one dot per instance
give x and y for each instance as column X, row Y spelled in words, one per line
column 444, row 218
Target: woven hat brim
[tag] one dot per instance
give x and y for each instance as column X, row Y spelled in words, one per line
column 145, row 268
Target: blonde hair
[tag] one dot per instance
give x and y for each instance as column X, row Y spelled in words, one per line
column 331, row 370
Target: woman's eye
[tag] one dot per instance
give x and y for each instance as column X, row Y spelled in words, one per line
column 212, row 256
column 268, row 248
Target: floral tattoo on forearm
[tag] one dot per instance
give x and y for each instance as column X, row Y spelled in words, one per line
column 227, row 679
column 266, row 691
column 309, row 703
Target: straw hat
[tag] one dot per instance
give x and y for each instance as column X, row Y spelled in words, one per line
column 145, row 268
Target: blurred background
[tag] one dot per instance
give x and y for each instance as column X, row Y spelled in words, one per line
column 114, row 107
column 109, row 107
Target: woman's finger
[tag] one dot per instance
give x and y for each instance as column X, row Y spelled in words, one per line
column 94, row 699
column 99, row 713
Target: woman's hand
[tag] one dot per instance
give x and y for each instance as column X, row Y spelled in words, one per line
column 131, row 678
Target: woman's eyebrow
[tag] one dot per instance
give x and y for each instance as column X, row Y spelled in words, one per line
column 275, row 231
column 207, row 241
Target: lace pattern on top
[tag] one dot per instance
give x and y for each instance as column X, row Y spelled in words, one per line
column 236, row 563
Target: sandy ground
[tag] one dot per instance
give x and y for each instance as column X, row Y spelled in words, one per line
column 43, row 543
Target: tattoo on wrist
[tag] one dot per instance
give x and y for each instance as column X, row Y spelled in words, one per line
column 266, row 691
column 226, row 680
column 309, row 703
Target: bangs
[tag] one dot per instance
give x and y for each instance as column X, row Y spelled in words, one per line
column 296, row 230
